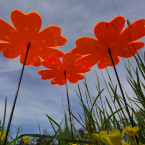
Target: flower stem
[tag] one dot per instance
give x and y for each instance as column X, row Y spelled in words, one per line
column 131, row 120
column 69, row 108
column 17, row 91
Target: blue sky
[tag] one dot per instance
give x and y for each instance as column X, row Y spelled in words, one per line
column 37, row 97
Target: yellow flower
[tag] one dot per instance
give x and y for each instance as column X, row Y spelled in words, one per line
column 116, row 137
column 131, row 131
column 113, row 138
column 26, row 139
column 135, row 143
column 2, row 134
column 125, row 143
column 96, row 136
column 104, row 137
column 86, row 132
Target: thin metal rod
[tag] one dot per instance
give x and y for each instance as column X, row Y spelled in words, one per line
column 131, row 120
column 15, row 99
column 69, row 108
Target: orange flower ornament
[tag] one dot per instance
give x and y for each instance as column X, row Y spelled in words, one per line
column 110, row 36
column 67, row 69
column 26, row 31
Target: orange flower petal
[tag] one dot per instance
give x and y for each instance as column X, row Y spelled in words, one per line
column 85, row 45
column 118, row 23
column 53, row 62
column 82, row 67
column 46, row 74
column 106, row 61
column 33, row 60
column 51, row 36
column 71, row 67
column 92, row 59
column 108, row 30
column 60, row 80
column 51, row 51
column 56, row 75
column 9, row 51
column 7, row 32
column 131, row 49
column 134, row 31
column 70, row 59
column 74, row 78
column 26, row 22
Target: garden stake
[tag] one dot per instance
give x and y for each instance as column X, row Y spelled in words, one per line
column 69, row 108
column 17, row 91
column 131, row 120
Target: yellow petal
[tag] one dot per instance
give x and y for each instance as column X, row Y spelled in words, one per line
column 125, row 143
column 96, row 136
column 136, row 129
column 26, row 139
column 105, row 138
column 115, row 137
column 131, row 131
column 3, row 135
column 115, row 132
